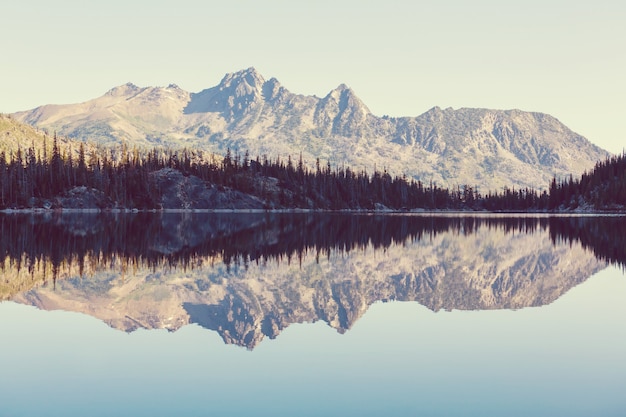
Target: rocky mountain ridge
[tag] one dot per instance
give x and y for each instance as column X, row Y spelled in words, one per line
column 244, row 112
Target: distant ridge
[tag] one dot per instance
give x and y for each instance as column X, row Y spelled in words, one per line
column 490, row 149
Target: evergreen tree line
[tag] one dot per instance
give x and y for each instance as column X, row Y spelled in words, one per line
column 94, row 241
column 30, row 179
column 602, row 188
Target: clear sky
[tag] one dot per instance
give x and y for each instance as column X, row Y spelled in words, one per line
column 565, row 58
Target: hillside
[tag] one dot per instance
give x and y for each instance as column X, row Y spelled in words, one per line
column 244, row 112
column 16, row 135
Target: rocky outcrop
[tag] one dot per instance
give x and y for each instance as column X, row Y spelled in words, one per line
column 81, row 198
column 177, row 191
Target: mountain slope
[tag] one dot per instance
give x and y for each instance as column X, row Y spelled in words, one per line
column 478, row 147
column 19, row 136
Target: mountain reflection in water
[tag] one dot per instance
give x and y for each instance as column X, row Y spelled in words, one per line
column 250, row 275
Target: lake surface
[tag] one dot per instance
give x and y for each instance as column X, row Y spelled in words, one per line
column 271, row 314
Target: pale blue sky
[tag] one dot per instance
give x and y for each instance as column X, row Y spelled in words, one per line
column 565, row 58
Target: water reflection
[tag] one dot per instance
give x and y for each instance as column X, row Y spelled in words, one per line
column 248, row 276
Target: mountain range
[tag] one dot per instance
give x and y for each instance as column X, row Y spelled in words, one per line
column 482, row 148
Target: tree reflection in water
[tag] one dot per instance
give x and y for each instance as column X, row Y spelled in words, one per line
column 249, row 275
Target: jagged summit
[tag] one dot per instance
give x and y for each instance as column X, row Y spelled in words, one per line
column 336, row 92
column 346, row 98
column 486, row 148
column 233, row 97
column 123, row 90
column 272, row 89
column 249, row 80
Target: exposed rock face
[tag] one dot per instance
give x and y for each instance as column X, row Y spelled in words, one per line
column 82, row 198
column 173, row 191
column 478, row 147
column 177, row 191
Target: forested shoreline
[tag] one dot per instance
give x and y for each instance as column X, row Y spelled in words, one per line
column 122, row 178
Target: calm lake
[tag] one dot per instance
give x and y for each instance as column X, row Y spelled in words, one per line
column 270, row 314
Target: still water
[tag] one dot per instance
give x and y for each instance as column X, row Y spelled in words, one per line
column 308, row 314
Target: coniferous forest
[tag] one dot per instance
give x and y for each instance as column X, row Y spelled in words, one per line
column 127, row 179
